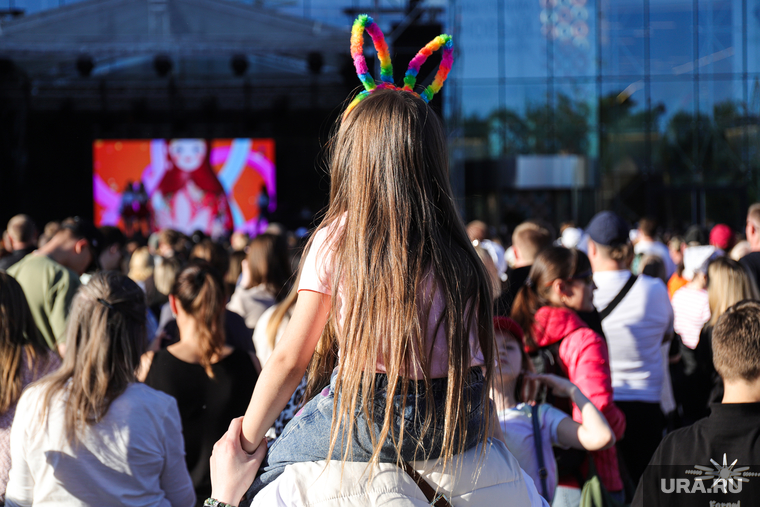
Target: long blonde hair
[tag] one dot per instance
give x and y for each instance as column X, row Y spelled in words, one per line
column 390, row 185
column 105, row 338
column 728, row 284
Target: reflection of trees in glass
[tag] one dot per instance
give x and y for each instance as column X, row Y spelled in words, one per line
column 715, row 148
column 704, row 148
column 541, row 129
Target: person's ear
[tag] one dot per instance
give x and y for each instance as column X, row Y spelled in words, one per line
column 80, row 246
column 560, row 287
column 591, row 248
column 173, row 304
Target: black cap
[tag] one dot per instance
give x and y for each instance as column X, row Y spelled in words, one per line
column 84, row 229
column 608, row 229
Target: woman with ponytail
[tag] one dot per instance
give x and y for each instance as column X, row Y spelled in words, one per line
column 559, row 285
column 211, row 381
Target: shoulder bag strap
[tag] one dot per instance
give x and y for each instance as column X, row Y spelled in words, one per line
column 434, row 499
column 623, row 292
column 539, row 445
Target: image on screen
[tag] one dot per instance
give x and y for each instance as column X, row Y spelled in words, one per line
column 216, row 186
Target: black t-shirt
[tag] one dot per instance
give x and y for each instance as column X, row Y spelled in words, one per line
column 751, row 263
column 206, row 405
column 731, row 434
column 14, row 257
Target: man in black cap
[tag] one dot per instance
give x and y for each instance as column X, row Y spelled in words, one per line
column 50, row 276
column 637, row 320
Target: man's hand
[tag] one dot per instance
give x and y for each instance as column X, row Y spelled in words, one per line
column 232, row 469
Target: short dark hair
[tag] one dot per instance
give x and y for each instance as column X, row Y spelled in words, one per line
column 736, row 342
column 648, row 226
column 112, row 236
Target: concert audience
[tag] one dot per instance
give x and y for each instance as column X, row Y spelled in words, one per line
column 265, row 276
column 89, row 434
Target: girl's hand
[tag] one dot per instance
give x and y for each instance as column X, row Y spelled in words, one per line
column 232, row 469
column 559, row 385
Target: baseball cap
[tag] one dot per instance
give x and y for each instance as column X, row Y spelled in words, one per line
column 608, row 228
column 696, row 259
column 508, row 325
column 84, row 229
column 722, row 236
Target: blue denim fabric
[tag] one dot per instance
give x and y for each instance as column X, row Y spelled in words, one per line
column 307, row 435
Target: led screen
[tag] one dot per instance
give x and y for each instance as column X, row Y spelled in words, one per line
column 215, row 186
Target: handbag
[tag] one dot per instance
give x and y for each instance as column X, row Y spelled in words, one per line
column 593, row 493
column 539, row 446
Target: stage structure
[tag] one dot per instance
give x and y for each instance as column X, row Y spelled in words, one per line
column 162, row 69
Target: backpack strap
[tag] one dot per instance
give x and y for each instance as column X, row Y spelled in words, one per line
column 539, row 445
column 435, row 499
column 620, row 295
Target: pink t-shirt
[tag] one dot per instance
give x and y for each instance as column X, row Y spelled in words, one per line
column 317, row 273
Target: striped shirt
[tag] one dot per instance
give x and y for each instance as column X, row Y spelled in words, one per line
column 691, row 310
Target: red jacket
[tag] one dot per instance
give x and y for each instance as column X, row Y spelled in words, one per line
column 584, row 358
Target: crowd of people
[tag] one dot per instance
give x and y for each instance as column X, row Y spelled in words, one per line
column 594, row 341
column 394, row 356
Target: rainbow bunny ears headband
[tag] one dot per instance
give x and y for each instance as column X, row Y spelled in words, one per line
column 364, row 22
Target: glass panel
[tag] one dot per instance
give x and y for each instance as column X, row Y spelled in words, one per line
column 671, row 24
column 623, row 37
column 525, row 40
column 625, row 149
column 753, row 35
column 753, row 136
column 675, row 150
column 478, row 40
column 479, row 104
column 570, row 25
column 575, row 119
column 723, row 138
column 720, row 37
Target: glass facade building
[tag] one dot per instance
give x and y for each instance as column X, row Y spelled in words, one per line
column 561, row 108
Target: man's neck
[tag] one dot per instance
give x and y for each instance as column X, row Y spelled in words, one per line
column 607, row 265
column 741, row 391
column 649, row 239
column 22, row 246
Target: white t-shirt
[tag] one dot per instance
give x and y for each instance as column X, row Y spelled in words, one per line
column 135, row 456
column 691, row 309
column 517, row 426
column 656, row 248
column 635, row 330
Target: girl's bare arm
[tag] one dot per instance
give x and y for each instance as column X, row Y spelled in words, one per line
column 285, row 367
column 595, row 433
